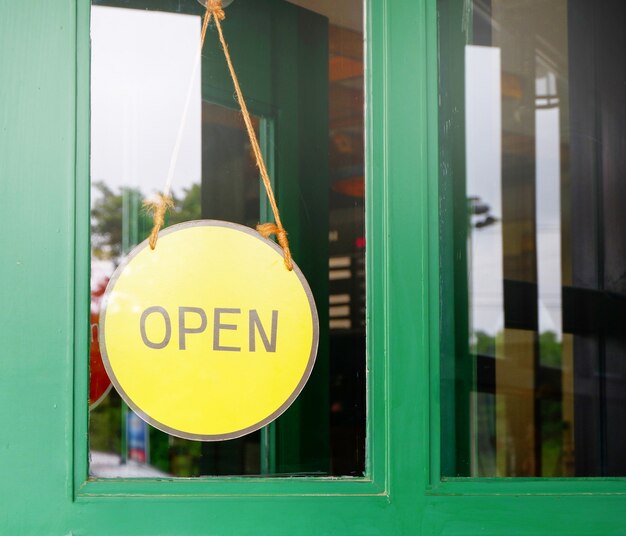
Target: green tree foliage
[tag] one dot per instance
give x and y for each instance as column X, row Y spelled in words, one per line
column 188, row 207
column 484, row 344
column 550, row 349
column 106, row 222
column 107, row 215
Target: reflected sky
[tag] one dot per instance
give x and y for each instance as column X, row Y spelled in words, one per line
column 483, row 104
column 142, row 65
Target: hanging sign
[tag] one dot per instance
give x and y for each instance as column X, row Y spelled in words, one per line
column 208, row 336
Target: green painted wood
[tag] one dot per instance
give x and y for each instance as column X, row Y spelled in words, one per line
column 44, row 178
column 457, row 365
column 37, row 183
column 406, row 236
column 432, row 167
column 377, row 250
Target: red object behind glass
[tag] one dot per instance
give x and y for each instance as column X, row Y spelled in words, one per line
column 99, row 382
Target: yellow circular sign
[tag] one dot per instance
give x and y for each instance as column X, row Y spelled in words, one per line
column 208, row 336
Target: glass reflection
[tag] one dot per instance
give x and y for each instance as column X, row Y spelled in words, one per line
column 141, row 67
column 534, row 378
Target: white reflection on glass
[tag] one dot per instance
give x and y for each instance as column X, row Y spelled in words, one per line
column 548, row 207
column 483, row 133
column 142, row 65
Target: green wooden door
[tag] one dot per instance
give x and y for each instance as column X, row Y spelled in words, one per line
column 44, row 182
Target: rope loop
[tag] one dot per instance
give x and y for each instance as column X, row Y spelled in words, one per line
column 268, row 229
column 214, row 7
column 164, row 201
column 158, row 207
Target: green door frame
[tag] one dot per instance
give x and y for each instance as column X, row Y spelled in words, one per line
column 44, row 176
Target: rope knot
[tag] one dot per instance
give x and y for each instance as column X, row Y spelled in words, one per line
column 268, row 229
column 158, row 207
column 214, row 7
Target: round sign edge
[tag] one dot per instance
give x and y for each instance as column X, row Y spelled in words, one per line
column 96, row 403
column 208, row 437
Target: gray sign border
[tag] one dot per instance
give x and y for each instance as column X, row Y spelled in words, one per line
column 236, row 433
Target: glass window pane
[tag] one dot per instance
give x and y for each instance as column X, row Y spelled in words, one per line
column 533, row 178
column 142, row 65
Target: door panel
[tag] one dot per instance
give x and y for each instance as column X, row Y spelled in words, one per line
column 530, row 136
column 44, row 331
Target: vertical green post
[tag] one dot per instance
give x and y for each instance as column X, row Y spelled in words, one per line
column 130, row 238
column 302, row 433
column 266, row 140
column 456, row 361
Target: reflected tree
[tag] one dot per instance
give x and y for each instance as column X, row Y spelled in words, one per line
column 107, row 216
